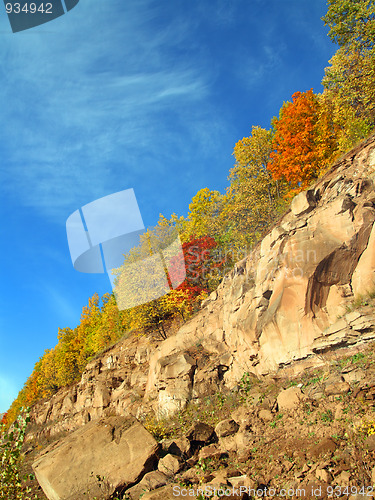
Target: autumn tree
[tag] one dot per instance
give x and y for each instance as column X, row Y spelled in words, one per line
column 302, row 147
column 350, row 96
column 185, row 300
column 151, row 317
column 160, row 280
column 204, row 217
column 67, row 355
column 179, row 223
column 351, row 22
column 113, row 322
column 142, row 282
column 253, row 198
column 349, row 81
column 203, row 263
column 204, row 213
column 48, row 373
column 236, row 219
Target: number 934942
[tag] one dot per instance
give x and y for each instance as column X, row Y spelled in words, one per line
column 28, row 8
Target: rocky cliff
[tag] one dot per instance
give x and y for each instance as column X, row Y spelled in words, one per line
column 280, row 311
column 285, row 302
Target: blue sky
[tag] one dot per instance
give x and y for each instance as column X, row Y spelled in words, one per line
column 117, row 94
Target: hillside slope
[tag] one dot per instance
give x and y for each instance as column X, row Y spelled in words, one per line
column 278, row 312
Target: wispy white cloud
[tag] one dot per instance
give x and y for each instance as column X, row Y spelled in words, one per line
column 79, row 101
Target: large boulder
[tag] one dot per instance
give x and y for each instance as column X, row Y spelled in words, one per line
column 100, row 457
column 170, row 464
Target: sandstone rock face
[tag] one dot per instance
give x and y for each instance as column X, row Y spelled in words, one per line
column 363, row 279
column 285, row 302
column 113, row 383
column 303, row 202
column 117, row 449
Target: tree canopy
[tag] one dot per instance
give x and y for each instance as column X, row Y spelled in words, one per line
column 253, row 198
column 349, row 81
column 304, row 143
column 351, row 22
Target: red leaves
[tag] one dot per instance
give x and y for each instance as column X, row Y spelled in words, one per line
column 199, row 264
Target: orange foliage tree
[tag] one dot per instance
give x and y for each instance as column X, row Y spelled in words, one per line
column 304, row 141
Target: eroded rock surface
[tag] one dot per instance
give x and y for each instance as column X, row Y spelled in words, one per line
column 103, row 455
column 286, row 301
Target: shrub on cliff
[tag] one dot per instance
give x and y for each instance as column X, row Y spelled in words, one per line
column 12, row 485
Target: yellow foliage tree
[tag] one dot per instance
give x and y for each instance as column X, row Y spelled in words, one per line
column 349, row 81
column 67, row 353
column 349, row 93
column 204, row 214
column 253, row 198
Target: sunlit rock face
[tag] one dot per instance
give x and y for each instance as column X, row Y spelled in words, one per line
column 110, row 445
column 284, row 302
